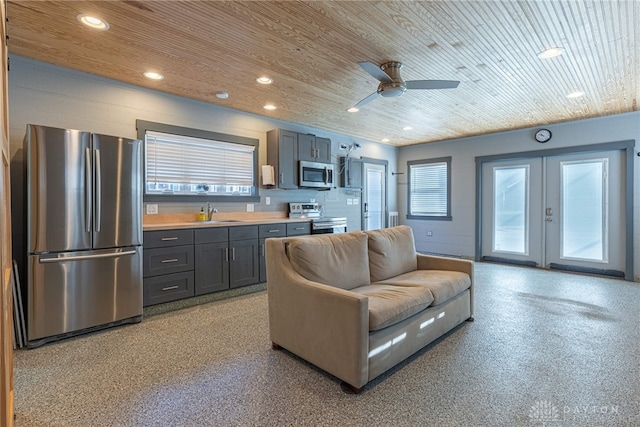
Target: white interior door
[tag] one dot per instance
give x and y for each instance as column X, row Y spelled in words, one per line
column 584, row 213
column 511, row 213
column 562, row 212
column 374, row 203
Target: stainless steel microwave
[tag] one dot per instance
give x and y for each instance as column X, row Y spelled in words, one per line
column 316, row 175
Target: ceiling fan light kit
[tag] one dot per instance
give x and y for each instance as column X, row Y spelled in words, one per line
column 392, row 85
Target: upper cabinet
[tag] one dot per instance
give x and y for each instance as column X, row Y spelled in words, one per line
column 286, row 148
column 314, row 148
column 282, row 154
column 350, row 172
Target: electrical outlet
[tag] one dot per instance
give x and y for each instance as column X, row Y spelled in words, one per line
column 249, row 207
column 349, row 201
column 312, row 200
column 267, row 200
column 152, row 209
column 429, row 233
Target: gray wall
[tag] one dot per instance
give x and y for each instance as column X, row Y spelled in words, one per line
column 48, row 95
column 457, row 237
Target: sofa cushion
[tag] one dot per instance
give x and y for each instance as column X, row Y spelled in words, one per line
column 391, row 252
column 443, row 284
column 390, row 304
column 339, row 260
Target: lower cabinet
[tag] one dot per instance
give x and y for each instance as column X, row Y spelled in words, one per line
column 167, row 266
column 182, row 263
column 212, row 267
column 226, row 258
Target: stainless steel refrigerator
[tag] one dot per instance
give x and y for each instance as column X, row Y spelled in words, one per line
column 84, row 232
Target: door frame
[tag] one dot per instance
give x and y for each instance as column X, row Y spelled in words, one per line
column 627, row 147
column 384, row 163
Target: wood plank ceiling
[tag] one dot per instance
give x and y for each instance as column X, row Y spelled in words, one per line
column 311, row 50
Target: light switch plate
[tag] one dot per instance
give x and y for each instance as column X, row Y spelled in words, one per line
column 152, row 209
column 249, row 207
column 267, row 200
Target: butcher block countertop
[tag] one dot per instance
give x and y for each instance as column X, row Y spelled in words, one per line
column 221, row 219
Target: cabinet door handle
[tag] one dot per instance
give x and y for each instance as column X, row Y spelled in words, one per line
column 233, row 254
column 164, row 261
column 281, row 177
column 262, row 249
column 226, row 254
column 169, row 288
column 299, row 228
column 274, row 231
column 164, row 239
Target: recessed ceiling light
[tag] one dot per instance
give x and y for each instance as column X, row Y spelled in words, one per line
column 222, row 95
column 353, row 110
column 153, row 75
column 264, row 80
column 385, row 140
column 93, row 22
column 552, row 52
column 575, row 94
column 269, row 107
column 407, row 128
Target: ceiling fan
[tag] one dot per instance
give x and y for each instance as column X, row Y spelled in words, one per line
column 392, row 85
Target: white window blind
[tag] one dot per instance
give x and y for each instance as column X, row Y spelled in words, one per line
column 183, row 164
column 428, row 189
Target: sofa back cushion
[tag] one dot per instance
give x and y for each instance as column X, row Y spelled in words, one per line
column 339, row 260
column 392, row 252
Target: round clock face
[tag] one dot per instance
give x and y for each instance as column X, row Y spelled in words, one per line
column 543, row 135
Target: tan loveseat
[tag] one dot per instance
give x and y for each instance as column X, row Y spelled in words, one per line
column 356, row 304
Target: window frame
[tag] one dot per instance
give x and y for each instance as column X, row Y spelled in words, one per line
column 143, row 126
column 425, row 162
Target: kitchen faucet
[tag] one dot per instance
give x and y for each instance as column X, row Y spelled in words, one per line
column 210, row 211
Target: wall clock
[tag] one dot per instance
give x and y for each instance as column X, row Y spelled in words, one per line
column 543, row 135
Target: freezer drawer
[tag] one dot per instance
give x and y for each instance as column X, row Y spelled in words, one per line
column 78, row 290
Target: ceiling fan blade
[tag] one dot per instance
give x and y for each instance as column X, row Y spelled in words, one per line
column 375, row 71
column 432, row 84
column 368, row 99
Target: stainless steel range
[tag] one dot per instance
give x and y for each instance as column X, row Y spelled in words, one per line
column 319, row 224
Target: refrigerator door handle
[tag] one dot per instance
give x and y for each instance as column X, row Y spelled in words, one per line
column 87, row 189
column 98, row 195
column 83, row 257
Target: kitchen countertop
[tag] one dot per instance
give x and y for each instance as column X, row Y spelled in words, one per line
column 217, row 223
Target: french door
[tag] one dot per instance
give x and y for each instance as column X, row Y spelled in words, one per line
column 374, row 196
column 563, row 211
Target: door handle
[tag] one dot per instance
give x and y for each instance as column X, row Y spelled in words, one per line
column 85, row 257
column 87, row 189
column 366, row 207
column 98, row 195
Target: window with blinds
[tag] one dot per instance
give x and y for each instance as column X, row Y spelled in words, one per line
column 429, row 189
column 186, row 165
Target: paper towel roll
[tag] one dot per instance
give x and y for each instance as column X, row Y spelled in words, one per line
column 268, row 175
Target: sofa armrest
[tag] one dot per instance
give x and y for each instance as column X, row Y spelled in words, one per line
column 431, row 262
column 323, row 324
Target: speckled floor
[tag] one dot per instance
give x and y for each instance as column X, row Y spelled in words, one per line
column 546, row 348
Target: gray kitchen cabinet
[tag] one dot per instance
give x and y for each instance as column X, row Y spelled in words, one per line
column 266, row 231
column 298, row 228
column 167, row 266
column 282, row 154
column 244, row 264
column 212, row 271
column 350, row 172
column 313, row 148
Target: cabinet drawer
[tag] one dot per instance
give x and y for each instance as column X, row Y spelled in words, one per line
column 167, row 288
column 272, row 230
column 243, row 232
column 164, row 238
column 167, row 260
column 298, row 228
column 211, row 235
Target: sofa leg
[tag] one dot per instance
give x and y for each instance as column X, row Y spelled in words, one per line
column 470, row 319
column 275, row 346
column 348, row 388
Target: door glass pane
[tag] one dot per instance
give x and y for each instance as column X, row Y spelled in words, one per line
column 584, row 210
column 510, row 213
column 375, row 199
